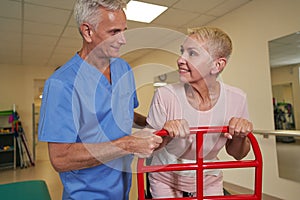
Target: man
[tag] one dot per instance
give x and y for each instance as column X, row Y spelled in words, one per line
column 88, row 109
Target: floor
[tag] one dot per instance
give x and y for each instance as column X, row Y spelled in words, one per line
column 289, row 160
column 43, row 170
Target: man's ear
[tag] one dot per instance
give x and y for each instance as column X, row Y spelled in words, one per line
column 86, row 32
column 219, row 66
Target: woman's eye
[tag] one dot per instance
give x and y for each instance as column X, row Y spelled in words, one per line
column 189, row 52
column 192, row 53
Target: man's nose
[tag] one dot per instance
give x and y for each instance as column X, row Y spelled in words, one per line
column 121, row 38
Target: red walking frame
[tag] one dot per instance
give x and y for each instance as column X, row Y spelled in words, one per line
column 199, row 166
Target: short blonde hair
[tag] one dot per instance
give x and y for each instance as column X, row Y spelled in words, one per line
column 217, row 42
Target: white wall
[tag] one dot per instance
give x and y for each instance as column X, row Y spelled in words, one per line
column 250, row 28
column 145, row 69
column 17, row 87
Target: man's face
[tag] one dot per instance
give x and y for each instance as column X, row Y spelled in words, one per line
column 109, row 35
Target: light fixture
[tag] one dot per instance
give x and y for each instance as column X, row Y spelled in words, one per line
column 143, row 12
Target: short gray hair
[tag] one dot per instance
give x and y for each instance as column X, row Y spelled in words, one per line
column 88, row 10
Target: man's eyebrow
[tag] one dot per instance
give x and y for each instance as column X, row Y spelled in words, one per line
column 117, row 29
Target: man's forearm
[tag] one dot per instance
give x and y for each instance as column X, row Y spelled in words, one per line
column 75, row 156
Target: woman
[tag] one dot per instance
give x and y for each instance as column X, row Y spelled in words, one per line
column 200, row 99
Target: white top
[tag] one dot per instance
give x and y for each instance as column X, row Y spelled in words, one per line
column 170, row 102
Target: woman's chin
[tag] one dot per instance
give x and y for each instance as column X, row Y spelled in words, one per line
column 183, row 79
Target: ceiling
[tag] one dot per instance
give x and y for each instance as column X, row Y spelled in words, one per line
column 44, row 33
column 285, row 50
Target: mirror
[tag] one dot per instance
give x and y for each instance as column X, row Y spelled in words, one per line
column 284, row 54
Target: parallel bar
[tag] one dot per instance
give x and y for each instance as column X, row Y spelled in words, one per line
column 230, row 164
column 259, row 168
column 200, row 166
column 199, row 161
column 171, row 167
column 233, row 197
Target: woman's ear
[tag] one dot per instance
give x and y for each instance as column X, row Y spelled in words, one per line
column 219, row 66
column 86, row 32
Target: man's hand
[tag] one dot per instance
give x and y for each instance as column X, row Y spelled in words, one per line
column 144, row 142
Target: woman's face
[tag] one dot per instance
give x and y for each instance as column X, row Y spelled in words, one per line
column 195, row 63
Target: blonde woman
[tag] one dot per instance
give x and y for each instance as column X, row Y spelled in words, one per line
column 200, row 99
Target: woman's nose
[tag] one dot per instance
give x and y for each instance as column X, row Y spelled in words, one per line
column 181, row 60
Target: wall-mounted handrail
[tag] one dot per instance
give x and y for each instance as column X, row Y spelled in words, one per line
column 287, row 133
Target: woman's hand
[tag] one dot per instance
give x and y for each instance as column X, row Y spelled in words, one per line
column 238, row 144
column 238, row 127
column 177, row 128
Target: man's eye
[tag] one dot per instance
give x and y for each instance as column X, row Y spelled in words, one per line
column 115, row 32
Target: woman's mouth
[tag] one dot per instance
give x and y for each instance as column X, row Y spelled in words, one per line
column 183, row 70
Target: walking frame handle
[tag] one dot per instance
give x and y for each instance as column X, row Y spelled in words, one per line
column 197, row 130
column 200, row 166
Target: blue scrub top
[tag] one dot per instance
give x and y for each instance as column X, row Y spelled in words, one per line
column 80, row 105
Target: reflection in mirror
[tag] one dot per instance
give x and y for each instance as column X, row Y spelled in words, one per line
column 283, row 106
column 285, row 62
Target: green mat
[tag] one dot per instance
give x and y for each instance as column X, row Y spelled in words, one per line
column 25, row 190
